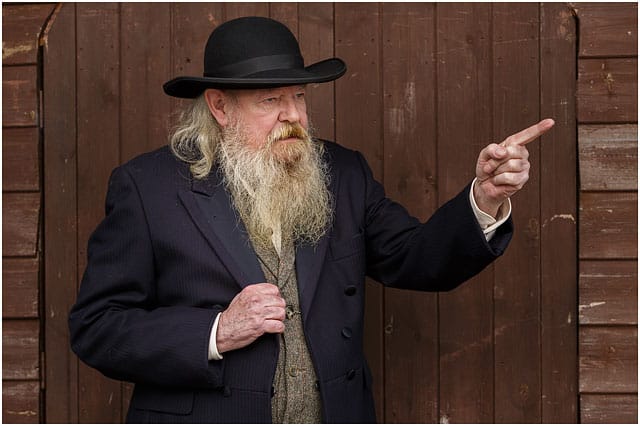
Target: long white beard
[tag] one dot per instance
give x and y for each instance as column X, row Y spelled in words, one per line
column 279, row 189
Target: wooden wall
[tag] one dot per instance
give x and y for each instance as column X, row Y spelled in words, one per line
column 427, row 86
column 22, row 26
column 608, row 144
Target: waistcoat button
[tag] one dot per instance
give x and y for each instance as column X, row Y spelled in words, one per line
column 346, row 333
column 350, row 290
column 351, row 374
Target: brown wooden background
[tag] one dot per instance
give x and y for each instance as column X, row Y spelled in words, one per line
column 427, row 87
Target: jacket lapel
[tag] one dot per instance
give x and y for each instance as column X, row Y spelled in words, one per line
column 210, row 207
column 310, row 261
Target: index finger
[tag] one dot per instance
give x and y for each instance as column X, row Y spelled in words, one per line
column 529, row 134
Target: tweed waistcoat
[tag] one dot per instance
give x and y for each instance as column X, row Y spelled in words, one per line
column 296, row 398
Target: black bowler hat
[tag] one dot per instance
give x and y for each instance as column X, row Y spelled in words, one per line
column 251, row 53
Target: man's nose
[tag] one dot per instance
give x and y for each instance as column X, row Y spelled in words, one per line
column 290, row 111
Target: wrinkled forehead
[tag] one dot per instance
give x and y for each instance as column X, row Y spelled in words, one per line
column 239, row 94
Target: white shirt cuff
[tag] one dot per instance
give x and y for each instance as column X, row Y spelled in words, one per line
column 488, row 223
column 213, row 349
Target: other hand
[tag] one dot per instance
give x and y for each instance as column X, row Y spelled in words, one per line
column 256, row 310
column 502, row 170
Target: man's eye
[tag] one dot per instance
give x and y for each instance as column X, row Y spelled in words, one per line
column 300, row 95
column 269, row 100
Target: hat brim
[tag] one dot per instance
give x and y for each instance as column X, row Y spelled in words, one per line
column 320, row 72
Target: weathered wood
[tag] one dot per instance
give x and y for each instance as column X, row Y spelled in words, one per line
column 98, row 133
column 516, row 96
column 19, row 96
column 608, row 292
column 20, row 159
column 191, row 25
column 608, row 359
column 358, row 126
column 315, row 34
column 145, row 66
column 20, row 288
column 21, row 27
column 608, row 157
column 607, row 90
column 20, row 218
column 620, row 409
column 20, row 349
column 237, row 10
column 607, row 29
column 21, row 402
column 558, row 213
column 60, row 216
column 410, row 165
column 608, row 225
column 464, row 76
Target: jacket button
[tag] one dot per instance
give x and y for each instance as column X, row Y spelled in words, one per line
column 317, row 385
column 351, row 374
column 346, row 333
column 351, row 290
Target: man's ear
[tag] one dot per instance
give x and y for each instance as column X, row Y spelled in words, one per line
column 218, row 103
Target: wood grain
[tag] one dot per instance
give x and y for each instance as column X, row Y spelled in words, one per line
column 466, row 329
column 608, row 225
column 608, row 359
column 19, row 96
column 608, row 292
column 20, row 159
column 21, row 27
column 20, row 288
column 558, row 213
column 20, row 402
column 608, row 157
column 20, row 349
column 410, row 167
column 608, row 29
column 602, row 408
column 607, row 90
column 20, row 221
column 60, row 216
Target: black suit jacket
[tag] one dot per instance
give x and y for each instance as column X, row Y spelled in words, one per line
column 170, row 254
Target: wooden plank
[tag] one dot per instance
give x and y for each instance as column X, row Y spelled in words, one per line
column 20, row 219
column 608, row 359
column 20, row 349
column 358, row 126
column 608, row 157
column 315, row 35
column 608, row 225
column 608, row 292
column 20, row 288
column 516, row 91
column 410, row 166
column 60, row 216
column 616, row 409
column 238, row 10
column 287, row 13
column 19, row 96
column 145, row 48
column 464, row 76
column 21, row 26
column 608, row 29
column 607, row 90
column 21, row 402
column 98, row 135
column 558, row 212
column 20, row 159
column 191, row 25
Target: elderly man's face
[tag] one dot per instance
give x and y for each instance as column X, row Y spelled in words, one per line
column 265, row 112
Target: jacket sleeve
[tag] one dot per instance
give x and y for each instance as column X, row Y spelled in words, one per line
column 437, row 255
column 116, row 325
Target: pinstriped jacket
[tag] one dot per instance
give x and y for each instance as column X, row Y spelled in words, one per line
column 170, row 254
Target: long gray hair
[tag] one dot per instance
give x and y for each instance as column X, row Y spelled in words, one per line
column 195, row 137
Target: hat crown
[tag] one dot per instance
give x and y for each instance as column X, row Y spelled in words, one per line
column 250, row 45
